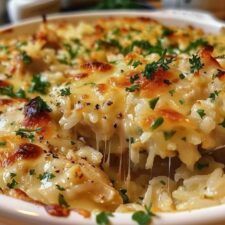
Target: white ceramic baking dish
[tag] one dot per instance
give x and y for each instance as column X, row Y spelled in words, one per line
column 16, row 212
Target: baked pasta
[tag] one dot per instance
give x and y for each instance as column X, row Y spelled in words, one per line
column 113, row 115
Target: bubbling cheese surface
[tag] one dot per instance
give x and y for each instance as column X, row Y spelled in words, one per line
column 93, row 108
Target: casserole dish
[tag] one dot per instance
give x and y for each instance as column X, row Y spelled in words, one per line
column 25, row 213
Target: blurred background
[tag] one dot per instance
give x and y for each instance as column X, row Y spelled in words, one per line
column 16, row 10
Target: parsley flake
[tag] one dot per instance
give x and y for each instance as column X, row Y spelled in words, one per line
column 2, row 143
column 26, row 58
column 60, row 188
column 133, row 88
column 46, row 176
column 62, row 201
column 134, row 78
column 213, row 95
column 27, row 133
column 136, row 63
column 201, row 166
column 181, row 75
column 151, row 68
column 65, row 92
column 143, row 217
column 39, row 84
column 201, row 113
column 12, row 184
column 196, row 64
column 156, row 123
column 168, row 134
column 153, row 102
column 103, row 218
column 32, row 172
column 123, row 194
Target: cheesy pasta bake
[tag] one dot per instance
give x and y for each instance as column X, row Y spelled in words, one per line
column 115, row 115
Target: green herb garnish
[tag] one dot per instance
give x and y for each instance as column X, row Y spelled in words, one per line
column 62, row 201
column 39, row 84
column 196, row 64
column 143, row 217
column 133, row 88
column 27, row 133
column 195, row 44
column 201, row 166
column 65, row 92
column 213, row 95
column 201, row 113
column 46, row 176
column 32, row 172
column 26, row 58
column 136, row 63
column 2, row 143
column 103, row 218
column 156, row 123
column 12, row 184
column 181, row 75
column 60, row 188
column 123, row 194
column 153, row 102
column 168, row 134
column 151, row 68
column 134, row 78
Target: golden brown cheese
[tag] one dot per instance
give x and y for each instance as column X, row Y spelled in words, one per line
column 86, row 108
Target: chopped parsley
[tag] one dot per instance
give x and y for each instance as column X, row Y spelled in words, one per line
column 162, row 182
column 167, row 31
column 201, row 166
column 27, row 133
column 181, row 75
column 8, row 91
column 145, row 46
column 103, row 218
column 12, row 184
column 26, row 58
column 168, row 134
column 2, row 143
column 195, row 44
column 201, row 113
column 32, row 172
column 20, row 93
column 222, row 123
column 196, row 63
column 12, row 175
column 156, row 123
column 213, row 95
column 46, row 176
column 39, row 84
column 60, row 188
column 134, row 78
column 123, row 194
column 136, row 63
column 153, row 102
column 133, row 88
column 181, row 101
column 65, row 92
column 62, row 201
column 72, row 53
column 172, row 92
column 143, row 217
column 151, row 68
column 108, row 43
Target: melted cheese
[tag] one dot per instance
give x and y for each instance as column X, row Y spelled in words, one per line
column 93, row 77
